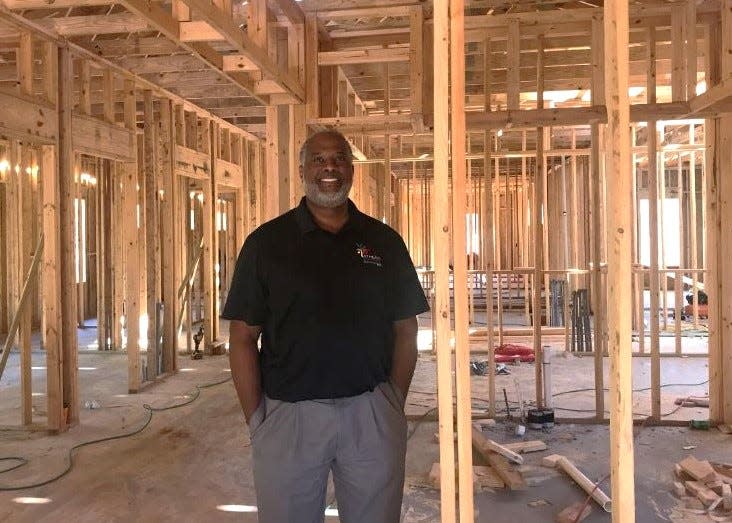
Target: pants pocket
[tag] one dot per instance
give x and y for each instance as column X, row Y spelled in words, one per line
column 393, row 396
column 257, row 418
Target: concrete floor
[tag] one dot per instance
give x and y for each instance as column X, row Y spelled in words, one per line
column 190, row 463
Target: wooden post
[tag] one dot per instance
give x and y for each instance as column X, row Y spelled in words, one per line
column 441, row 236
column 619, row 261
column 25, row 221
column 719, row 246
column 152, row 244
column 653, row 273
column 52, row 289
column 169, row 216
column 129, row 197
column 210, row 248
column 678, row 80
column 538, row 216
column 67, row 224
column 460, row 273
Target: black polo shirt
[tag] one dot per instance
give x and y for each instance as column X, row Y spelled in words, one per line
column 326, row 302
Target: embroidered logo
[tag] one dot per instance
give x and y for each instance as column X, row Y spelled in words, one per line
column 367, row 255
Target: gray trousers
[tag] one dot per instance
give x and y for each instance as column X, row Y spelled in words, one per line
column 361, row 439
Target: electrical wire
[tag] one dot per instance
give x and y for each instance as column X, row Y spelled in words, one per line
column 150, row 410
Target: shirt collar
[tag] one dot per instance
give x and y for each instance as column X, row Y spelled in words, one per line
column 305, row 221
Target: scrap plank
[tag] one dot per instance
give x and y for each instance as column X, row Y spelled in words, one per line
column 511, row 477
column 574, row 513
column 699, row 470
column 704, row 494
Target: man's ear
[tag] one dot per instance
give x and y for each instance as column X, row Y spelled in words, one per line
column 299, row 170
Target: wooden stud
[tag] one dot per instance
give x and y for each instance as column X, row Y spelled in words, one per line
column 416, row 58
column 25, row 221
column 678, row 80
column 50, row 71
column 690, row 47
column 108, row 86
column 619, row 261
column 86, row 87
column 513, row 50
column 25, row 63
column 441, row 238
column 653, row 274
column 151, row 228
column 598, row 63
column 129, row 206
column 210, row 195
column 66, row 232
column 170, row 234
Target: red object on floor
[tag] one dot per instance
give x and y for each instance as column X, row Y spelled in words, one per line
column 510, row 352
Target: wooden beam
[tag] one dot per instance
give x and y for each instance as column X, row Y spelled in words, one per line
column 292, row 11
column 96, row 24
column 690, row 47
column 26, row 118
column 246, row 46
column 716, row 99
column 363, row 56
column 678, row 80
column 619, row 260
column 441, row 227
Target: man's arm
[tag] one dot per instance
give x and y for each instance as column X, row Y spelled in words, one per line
column 405, row 353
column 244, row 363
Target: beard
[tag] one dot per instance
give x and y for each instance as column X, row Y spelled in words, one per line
column 327, row 199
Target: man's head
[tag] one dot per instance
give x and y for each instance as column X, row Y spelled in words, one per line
column 326, row 169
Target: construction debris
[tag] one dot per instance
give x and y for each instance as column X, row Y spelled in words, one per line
column 706, row 486
column 693, row 401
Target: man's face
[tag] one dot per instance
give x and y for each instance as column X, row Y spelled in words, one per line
column 327, row 173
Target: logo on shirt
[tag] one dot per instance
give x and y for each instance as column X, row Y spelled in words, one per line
column 367, row 255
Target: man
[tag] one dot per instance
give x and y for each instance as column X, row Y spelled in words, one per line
column 335, row 296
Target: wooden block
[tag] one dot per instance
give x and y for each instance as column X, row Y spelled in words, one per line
column 483, row 477
column 727, row 496
column 486, row 477
column 574, row 513
column 511, row 477
column 522, row 447
column 692, row 503
column 699, row 470
column 679, row 489
column 534, row 476
column 550, row 461
column 680, row 474
column 705, row 495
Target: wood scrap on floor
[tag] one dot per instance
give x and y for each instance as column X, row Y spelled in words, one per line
column 725, row 429
column 483, row 477
column 574, row 513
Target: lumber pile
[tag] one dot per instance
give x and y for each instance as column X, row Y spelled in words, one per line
column 704, row 485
